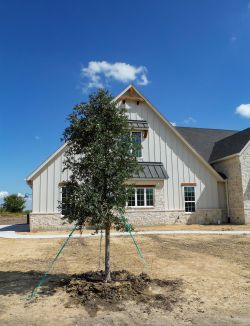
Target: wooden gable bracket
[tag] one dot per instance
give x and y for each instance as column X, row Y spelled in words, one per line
column 145, row 133
column 132, row 98
column 131, row 91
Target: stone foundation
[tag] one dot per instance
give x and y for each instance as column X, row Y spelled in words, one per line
column 138, row 217
column 201, row 216
column 39, row 222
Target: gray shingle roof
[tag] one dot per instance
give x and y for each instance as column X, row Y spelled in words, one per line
column 230, row 145
column 152, row 170
column 203, row 140
column 138, row 124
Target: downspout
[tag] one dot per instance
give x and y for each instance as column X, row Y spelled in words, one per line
column 227, row 198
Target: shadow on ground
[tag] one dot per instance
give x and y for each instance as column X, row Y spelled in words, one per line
column 15, row 228
column 17, row 282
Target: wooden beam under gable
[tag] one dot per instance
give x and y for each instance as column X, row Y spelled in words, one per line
column 131, row 98
column 188, row 184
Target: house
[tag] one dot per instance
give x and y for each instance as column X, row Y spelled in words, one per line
column 190, row 175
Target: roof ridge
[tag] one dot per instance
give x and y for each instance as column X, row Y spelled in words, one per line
column 208, row 128
column 233, row 135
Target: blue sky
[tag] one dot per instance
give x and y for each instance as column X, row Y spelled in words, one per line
column 190, row 59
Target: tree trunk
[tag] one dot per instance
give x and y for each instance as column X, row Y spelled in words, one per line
column 107, row 254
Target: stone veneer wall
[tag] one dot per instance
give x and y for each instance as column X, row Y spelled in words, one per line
column 139, row 216
column 232, row 169
column 245, row 172
column 53, row 221
column 201, row 216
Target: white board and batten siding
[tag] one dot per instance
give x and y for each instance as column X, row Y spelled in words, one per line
column 160, row 145
column 182, row 165
column 46, row 186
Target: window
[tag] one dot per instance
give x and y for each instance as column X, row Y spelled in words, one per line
column 189, row 198
column 131, row 197
column 150, row 196
column 137, row 139
column 141, row 197
column 64, row 196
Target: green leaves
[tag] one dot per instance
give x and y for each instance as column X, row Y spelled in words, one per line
column 100, row 156
column 14, row 203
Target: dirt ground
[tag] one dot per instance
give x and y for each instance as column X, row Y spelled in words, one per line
column 213, row 273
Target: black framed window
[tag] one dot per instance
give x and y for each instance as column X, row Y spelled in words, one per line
column 137, row 139
column 189, row 199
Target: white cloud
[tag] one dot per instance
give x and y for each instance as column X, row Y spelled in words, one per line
column 19, row 194
column 3, row 194
column 190, row 121
column 173, row 124
column 243, row 110
column 98, row 73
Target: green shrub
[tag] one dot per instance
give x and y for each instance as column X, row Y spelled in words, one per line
column 14, row 203
column 2, row 210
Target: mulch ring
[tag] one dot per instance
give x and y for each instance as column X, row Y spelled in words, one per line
column 89, row 290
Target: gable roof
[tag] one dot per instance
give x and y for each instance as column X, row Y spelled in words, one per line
column 174, row 129
column 45, row 163
column 204, row 140
column 231, row 145
column 216, row 144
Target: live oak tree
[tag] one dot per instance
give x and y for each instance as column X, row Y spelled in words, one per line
column 101, row 156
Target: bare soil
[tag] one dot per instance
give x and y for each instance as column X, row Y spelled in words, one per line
column 90, row 290
column 192, row 280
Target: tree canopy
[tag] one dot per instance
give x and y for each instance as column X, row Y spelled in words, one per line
column 14, row 203
column 100, row 156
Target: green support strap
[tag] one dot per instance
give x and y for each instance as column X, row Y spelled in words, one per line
column 129, row 230
column 34, row 292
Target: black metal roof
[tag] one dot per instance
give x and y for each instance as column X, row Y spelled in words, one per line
column 205, row 141
column 138, row 124
column 151, row 170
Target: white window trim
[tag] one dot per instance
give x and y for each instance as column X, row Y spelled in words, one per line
column 189, row 201
column 145, row 198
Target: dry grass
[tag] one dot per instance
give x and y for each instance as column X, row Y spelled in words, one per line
column 171, row 227
column 214, row 270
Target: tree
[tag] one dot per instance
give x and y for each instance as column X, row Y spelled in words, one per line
column 101, row 156
column 14, row 203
